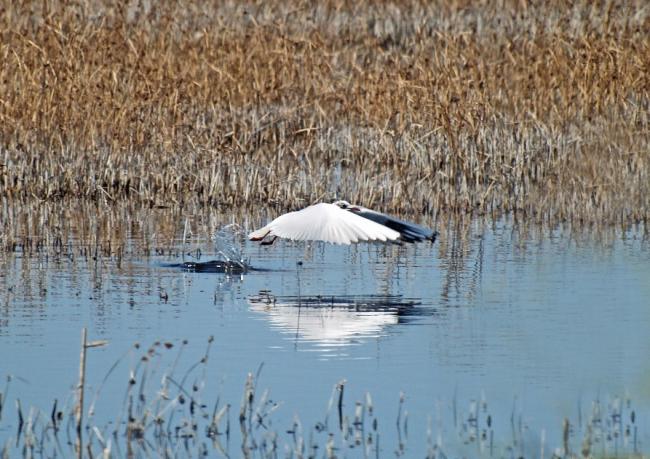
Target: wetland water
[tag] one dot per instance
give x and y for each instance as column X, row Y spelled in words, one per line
column 526, row 326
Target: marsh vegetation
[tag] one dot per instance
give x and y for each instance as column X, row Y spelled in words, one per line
column 410, row 107
column 168, row 410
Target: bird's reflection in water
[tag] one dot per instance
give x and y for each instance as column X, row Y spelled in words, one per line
column 335, row 321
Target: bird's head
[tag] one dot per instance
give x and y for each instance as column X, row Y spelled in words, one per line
column 346, row 206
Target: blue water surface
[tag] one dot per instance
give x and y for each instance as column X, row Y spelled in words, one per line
column 526, row 326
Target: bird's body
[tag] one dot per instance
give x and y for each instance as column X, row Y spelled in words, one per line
column 341, row 223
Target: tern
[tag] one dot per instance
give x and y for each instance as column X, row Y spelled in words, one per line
column 341, row 223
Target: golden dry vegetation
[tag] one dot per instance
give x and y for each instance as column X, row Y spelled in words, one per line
column 413, row 107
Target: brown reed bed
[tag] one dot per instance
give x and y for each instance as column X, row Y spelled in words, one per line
column 434, row 107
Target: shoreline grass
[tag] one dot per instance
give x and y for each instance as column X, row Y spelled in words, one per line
column 412, row 107
column 168, row 410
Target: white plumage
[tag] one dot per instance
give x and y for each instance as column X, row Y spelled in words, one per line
column 325, row 222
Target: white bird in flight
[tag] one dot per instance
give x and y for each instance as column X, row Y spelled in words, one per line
column 341, row 223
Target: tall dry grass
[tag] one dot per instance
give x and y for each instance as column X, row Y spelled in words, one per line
column 540, row 109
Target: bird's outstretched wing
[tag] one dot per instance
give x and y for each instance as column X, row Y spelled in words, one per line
column 409, row 232
column 328, row 223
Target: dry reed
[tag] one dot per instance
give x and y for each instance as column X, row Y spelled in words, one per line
column 539, row 109
column 168, row 410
